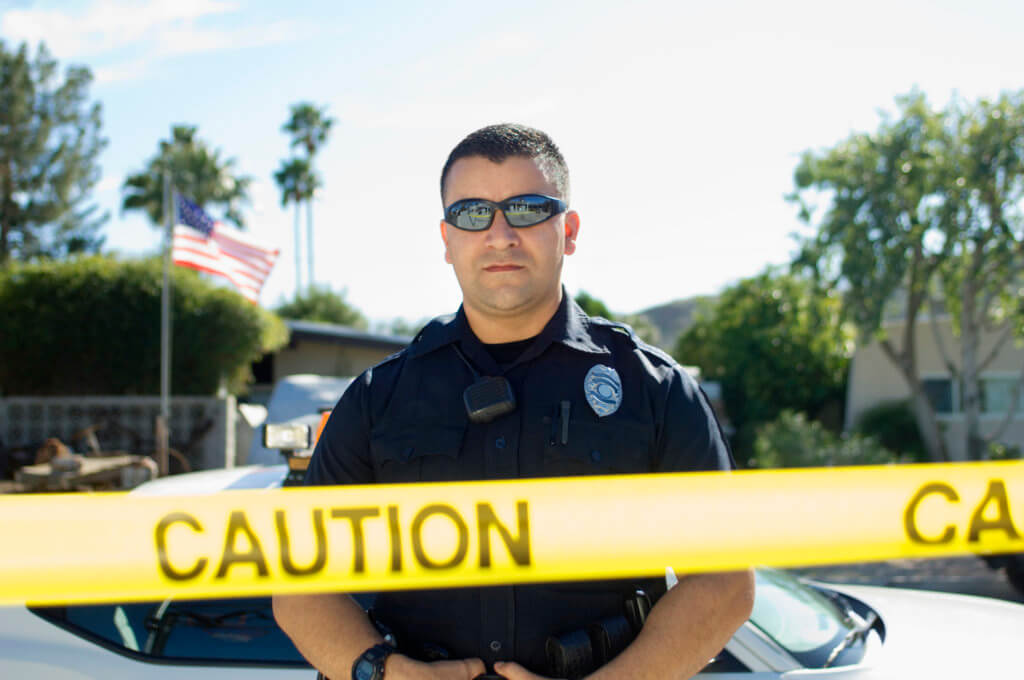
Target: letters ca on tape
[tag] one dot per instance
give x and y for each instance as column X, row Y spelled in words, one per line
column 64, row 548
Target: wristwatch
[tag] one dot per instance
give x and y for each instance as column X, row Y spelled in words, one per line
column 370, row 665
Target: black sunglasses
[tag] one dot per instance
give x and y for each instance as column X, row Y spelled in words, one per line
column 477, row 214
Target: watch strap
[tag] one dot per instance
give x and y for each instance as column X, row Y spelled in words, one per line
column 375, row 656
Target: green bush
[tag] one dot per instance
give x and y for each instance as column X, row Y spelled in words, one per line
column 92, row 326
column 793, row 441
column 1001, row 451
column 894, row 426
column 773, row 342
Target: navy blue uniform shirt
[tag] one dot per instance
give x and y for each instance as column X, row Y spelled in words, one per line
column 404, row 421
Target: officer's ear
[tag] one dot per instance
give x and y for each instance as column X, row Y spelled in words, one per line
column 572, row 231
column 444, row 237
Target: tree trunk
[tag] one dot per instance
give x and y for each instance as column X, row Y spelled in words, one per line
column 298, row 251
column 309, row 239
column 927, row 424
column 924, row 414
column 970, row 339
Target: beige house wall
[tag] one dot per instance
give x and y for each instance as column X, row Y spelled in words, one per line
column 874, row 379
column 325, row 358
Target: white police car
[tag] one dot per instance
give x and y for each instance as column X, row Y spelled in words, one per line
column 797, row 629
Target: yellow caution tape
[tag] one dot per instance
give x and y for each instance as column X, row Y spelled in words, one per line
column 64, row 548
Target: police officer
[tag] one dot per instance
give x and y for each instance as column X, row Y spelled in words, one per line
column 518, row 383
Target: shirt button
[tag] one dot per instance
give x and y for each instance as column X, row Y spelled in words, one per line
column 495, row 646
column 595, row 456
column 500, row 442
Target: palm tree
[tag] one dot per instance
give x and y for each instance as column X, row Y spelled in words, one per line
column 308, row 127
column 297, row 182
column 197, row 171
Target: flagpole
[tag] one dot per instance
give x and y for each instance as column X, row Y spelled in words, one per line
column 163, row 422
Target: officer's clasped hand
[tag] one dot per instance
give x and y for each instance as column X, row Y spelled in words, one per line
column 513, row 671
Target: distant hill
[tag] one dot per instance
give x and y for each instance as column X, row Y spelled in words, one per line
column 673, row 318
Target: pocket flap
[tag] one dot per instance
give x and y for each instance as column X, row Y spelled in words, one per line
column 408, row 444
column 603, row 447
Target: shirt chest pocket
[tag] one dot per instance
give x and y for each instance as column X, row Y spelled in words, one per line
column 602, row 448
column 421, row 454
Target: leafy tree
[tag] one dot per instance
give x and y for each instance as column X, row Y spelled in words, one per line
column 773, row 342
column 90, row 326
column 308, row 127
column 925, row 211
column 592, row 306
column 981, row 281
column 49, row 143
column 197, row 171
column 322, row 304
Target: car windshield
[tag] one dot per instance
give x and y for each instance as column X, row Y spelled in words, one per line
column 803, row 620
column 229, row 631
column 240, row 631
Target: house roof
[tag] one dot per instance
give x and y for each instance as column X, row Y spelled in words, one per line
column 344, row 335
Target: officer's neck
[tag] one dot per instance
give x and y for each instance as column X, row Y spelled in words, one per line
column 493, row 328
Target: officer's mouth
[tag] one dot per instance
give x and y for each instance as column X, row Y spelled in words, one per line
column 495, row 268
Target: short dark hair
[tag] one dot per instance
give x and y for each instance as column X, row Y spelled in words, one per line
column 498, row 142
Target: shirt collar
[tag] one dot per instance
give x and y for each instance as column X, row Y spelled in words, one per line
column 569, row 326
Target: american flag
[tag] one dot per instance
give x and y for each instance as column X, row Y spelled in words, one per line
column 213, row 247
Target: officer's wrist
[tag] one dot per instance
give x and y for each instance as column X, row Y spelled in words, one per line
column 398, row 666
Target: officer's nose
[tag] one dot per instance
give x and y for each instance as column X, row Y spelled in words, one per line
column 501, row 236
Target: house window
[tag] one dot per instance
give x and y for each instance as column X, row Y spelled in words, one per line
column 940, row 393
column 997, row 395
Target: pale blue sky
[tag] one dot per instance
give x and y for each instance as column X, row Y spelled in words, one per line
column 681, row 122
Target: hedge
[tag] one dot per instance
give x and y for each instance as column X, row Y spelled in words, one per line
column 92, row 326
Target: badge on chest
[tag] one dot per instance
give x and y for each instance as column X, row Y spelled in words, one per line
column 603, row 389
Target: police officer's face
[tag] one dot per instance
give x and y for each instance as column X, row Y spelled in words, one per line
column 507, row 273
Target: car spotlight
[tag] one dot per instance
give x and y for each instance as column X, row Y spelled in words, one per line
column 287, row 437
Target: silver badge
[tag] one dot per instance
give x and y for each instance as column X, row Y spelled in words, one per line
column 603, row 389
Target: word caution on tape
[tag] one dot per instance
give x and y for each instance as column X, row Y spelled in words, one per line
column 64, row 548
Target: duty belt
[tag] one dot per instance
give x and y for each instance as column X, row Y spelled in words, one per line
column 571, row 655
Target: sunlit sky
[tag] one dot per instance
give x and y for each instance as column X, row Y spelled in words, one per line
column 681, row 122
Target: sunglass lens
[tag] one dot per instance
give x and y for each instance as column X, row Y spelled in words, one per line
column 473, row 215
column 524, row 211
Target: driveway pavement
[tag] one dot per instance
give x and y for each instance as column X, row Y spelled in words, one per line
column 965, row 575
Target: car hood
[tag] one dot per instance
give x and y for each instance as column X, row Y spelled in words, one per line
column 941, row 635
column 214, row 481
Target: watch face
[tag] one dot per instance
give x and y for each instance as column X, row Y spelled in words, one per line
column 364, row 670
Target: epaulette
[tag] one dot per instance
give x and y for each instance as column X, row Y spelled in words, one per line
column 656, row 352
column 391, row 357
column 618, row 327
column 627, row 330
column 367, row 375
column 442, row 320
